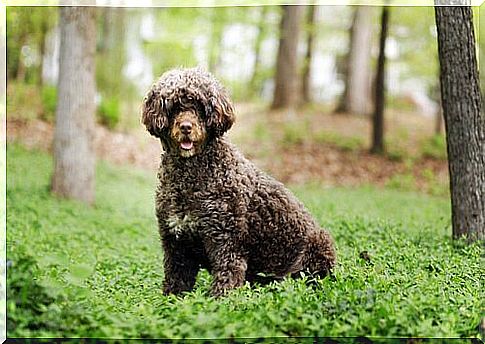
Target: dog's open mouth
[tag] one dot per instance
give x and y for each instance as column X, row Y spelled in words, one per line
column 187, row 144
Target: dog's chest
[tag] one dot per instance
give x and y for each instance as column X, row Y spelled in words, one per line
column 188, row 205
column 181, row 225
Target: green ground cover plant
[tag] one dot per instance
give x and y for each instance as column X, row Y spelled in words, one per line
column 434, row 147
column 97, row 272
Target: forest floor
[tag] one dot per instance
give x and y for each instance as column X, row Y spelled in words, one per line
column 308, row 145
column 80, row 271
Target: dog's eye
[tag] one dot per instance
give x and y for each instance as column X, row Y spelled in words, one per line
column 175, row 108
column 187, row 100
column 199, row 109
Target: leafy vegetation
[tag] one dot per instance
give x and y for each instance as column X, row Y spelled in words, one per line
column 404, row 181
column 225, row 39
column 434, row 148
column 27, row 30
column 345, row 143
column 49, row 101
column 109, row 112
column 434, row 186
column 79, row 271
column 300, row 131
column 24, row 101
column 295, row 133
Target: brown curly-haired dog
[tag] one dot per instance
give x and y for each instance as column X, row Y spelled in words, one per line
column 215, row 209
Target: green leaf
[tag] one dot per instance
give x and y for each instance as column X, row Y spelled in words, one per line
column 79, row 273
column 57, row 258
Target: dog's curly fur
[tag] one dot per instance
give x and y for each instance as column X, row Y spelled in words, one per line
column 215, row 209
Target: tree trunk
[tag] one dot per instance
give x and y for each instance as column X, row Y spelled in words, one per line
column 306, row 82
column 357, row 94
column 286, row 80
column 21, row 69
column 105, row 28
column 74, row 158
column 42, row 44
column 464, row 120
column 111, row 54
column 380, row 89
column 254, row 83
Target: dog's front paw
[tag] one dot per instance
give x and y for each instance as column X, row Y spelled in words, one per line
column 176, row 288
column 167, row 290
column 218, row 292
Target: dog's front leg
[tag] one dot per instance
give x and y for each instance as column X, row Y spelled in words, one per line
column 180, row 269
column 228, row 267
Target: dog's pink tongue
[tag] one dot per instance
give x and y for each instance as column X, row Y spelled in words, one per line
column 187, row 145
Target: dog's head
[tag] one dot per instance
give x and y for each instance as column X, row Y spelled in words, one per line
column 186, row 108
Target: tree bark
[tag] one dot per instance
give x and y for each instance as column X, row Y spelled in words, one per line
column 357, row 94
column 74, row 157
column 286, row 80
column 464, row 120
column 380, row 89
column 306, row 80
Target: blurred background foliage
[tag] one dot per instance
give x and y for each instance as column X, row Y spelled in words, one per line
column 136, row 45
column 239, row 45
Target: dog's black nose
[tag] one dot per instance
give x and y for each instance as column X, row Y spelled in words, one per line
column 186, row 127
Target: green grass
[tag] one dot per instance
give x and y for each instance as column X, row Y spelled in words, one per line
column 96, row 272
column 301, row 132
column 351, row 144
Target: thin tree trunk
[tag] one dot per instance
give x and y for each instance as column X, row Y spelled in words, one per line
column 306, row 82
column 105, row 28
column 357, row 94
column 286, row 81
column 44, row 29
column 74, row 158
column 254, row 85
column 21, row 69
column 464, row 120
column 42, row 51
column 380, row 89
column 112, row 51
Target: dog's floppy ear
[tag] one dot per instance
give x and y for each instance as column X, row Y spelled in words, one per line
column 154, row 113
column 220, row 113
